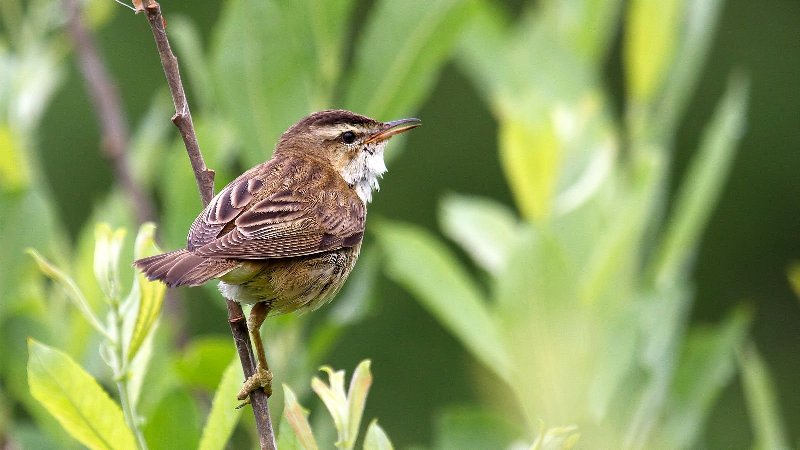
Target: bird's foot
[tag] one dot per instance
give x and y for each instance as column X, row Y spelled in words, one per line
column 261, row 379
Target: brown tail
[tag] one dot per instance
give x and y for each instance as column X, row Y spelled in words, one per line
column 183, row 268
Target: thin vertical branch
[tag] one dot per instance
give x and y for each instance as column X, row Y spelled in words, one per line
column 205, row 184
column 183, row 117
column 258, row 398
column 107, row 107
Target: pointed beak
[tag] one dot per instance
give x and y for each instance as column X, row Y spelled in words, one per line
column 389, row 129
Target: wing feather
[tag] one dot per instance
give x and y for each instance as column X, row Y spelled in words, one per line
column 277, row 210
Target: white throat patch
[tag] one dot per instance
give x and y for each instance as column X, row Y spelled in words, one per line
column 365, row 169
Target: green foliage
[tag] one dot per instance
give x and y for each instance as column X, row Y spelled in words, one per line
column 272, row 62
column 345, row 408
column 224, row 415
column 76, row 400
column 409, row 48
column 130, row 324
column 267, row 63
column 574, row 299
column 577, row 305
column 762, row 402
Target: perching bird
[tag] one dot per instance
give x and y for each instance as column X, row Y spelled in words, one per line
column 285, row 235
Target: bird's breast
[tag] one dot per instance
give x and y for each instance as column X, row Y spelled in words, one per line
column 291, row 284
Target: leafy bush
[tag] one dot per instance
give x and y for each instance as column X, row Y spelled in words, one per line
column 575, row 300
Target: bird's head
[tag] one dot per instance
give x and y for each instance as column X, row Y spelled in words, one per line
column 353, row 144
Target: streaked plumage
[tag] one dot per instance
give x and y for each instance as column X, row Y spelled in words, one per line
column 285, row 235
column 287, row 232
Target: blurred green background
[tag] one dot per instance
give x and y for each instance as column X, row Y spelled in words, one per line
column 420, row 369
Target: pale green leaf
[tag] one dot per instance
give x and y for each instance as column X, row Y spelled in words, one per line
column 700, row 23
column 297, row 417
column 483, row 227
column 762, row 402
column 108, row 245
column 530, row 154
column 556, row 438
column 652, row 34
column 428, row 270
column 147, row 295
column 334, row 397
column 376, row 438
column 588, row 25
column 702, row 185
column 224, row 415
column 15, row 172
column 705, row 368
column 357, row 399
column 139, row 372
column 794, row 278
column 71, row 289
column 400, row 53
column 73, row 397
column 614, row 257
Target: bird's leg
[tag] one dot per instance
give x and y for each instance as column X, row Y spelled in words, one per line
column 262, row 378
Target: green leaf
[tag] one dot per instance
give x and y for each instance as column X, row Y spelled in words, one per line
column 146, row 295
column 556, row 438
column 71, row 289
column 614, row 257
column 794, row 278
column 700, row 23
column 73, row 397
column 224, row 415
column 297, row 417
column 203, row 361
column 703, row 183
column 28, row 219
column 482, row 49
column 334, row 397
column 482, row 227
column 263, row 70
column 762, row 403
column 108, row 244
column 427, row 269
column 376, row 438
column 587, row 25
column 530, row 154
column 650, row 40
column 400, row 53
column 181, row 204
column 174, row 424
column 287, row 440
column 188, row 46
column 357, row 398
column 329, row 24
column 472, row 428
column 15, row 172
column 706, row 367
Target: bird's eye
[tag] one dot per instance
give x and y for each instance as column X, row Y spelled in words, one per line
column 348, row 137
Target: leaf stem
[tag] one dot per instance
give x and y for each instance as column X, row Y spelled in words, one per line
column 120, row 370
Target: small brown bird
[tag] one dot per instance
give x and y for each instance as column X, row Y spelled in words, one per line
column 285, row 235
